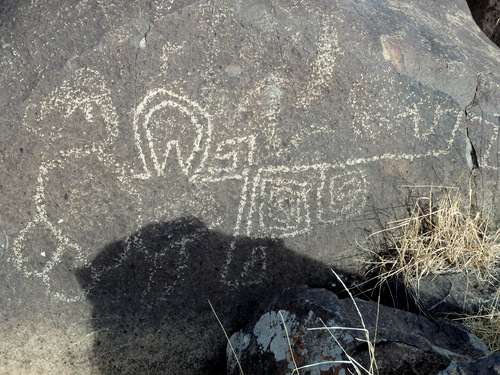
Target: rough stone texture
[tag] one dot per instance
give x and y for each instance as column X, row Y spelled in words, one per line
column 150, row 295
column 298, row 122
column 439, row 295
column 489, row 365
column 486, row 13
column 455, row 293
column 405, row 343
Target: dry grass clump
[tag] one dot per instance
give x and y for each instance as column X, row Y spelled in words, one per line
column 439, row 236
column 486, row 326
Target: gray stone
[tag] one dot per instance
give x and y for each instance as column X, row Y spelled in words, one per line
column 405, row 343
column 455, row 293
column 488, row 365
column 294, row 123
column 441, row 294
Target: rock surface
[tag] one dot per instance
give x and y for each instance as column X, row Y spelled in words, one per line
column 488, row 365
column 265, row 124
column 455, row 293
column 405, row 343
column 150, row 295
column 486, row 14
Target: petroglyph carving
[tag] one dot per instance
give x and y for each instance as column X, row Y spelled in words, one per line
column 278, row 201
column 168, row 50
column 85, row 95
column 280, row 204
column 266, row 97
column 333, row 194
column 286, row 202
column 173, row 133
column 166, row 123
column 230, row 159
column 43, row 261
column 255, row 261
column 328, row 51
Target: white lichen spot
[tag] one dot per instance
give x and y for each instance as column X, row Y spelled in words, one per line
column 233, row 70
column 273, row 92
column 271, row 335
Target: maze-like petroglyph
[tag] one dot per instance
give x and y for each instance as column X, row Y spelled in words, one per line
column 287, row 201
column 230, row 160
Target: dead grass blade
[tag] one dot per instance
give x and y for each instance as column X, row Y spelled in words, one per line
column 373, row 369
column 296, row 369
column 227, row 338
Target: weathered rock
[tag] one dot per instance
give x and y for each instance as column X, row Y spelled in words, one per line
column 486, row 14
column 296, row 122
column 438, row 294
column 150, row 294
column 455, row 293
column 489, row 365
column 405, row 343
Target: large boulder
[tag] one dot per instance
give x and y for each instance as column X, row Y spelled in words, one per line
column 281, row 339
column 270, row 125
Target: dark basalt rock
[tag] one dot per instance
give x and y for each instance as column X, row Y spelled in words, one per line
column 488, row 365
column 286, row 129
column 486, row 13
column 455, row 293
column 405, row 343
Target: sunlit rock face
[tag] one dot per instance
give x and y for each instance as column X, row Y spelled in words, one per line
column 283, row 133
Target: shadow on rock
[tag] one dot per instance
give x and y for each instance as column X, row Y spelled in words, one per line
column 150, row 295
